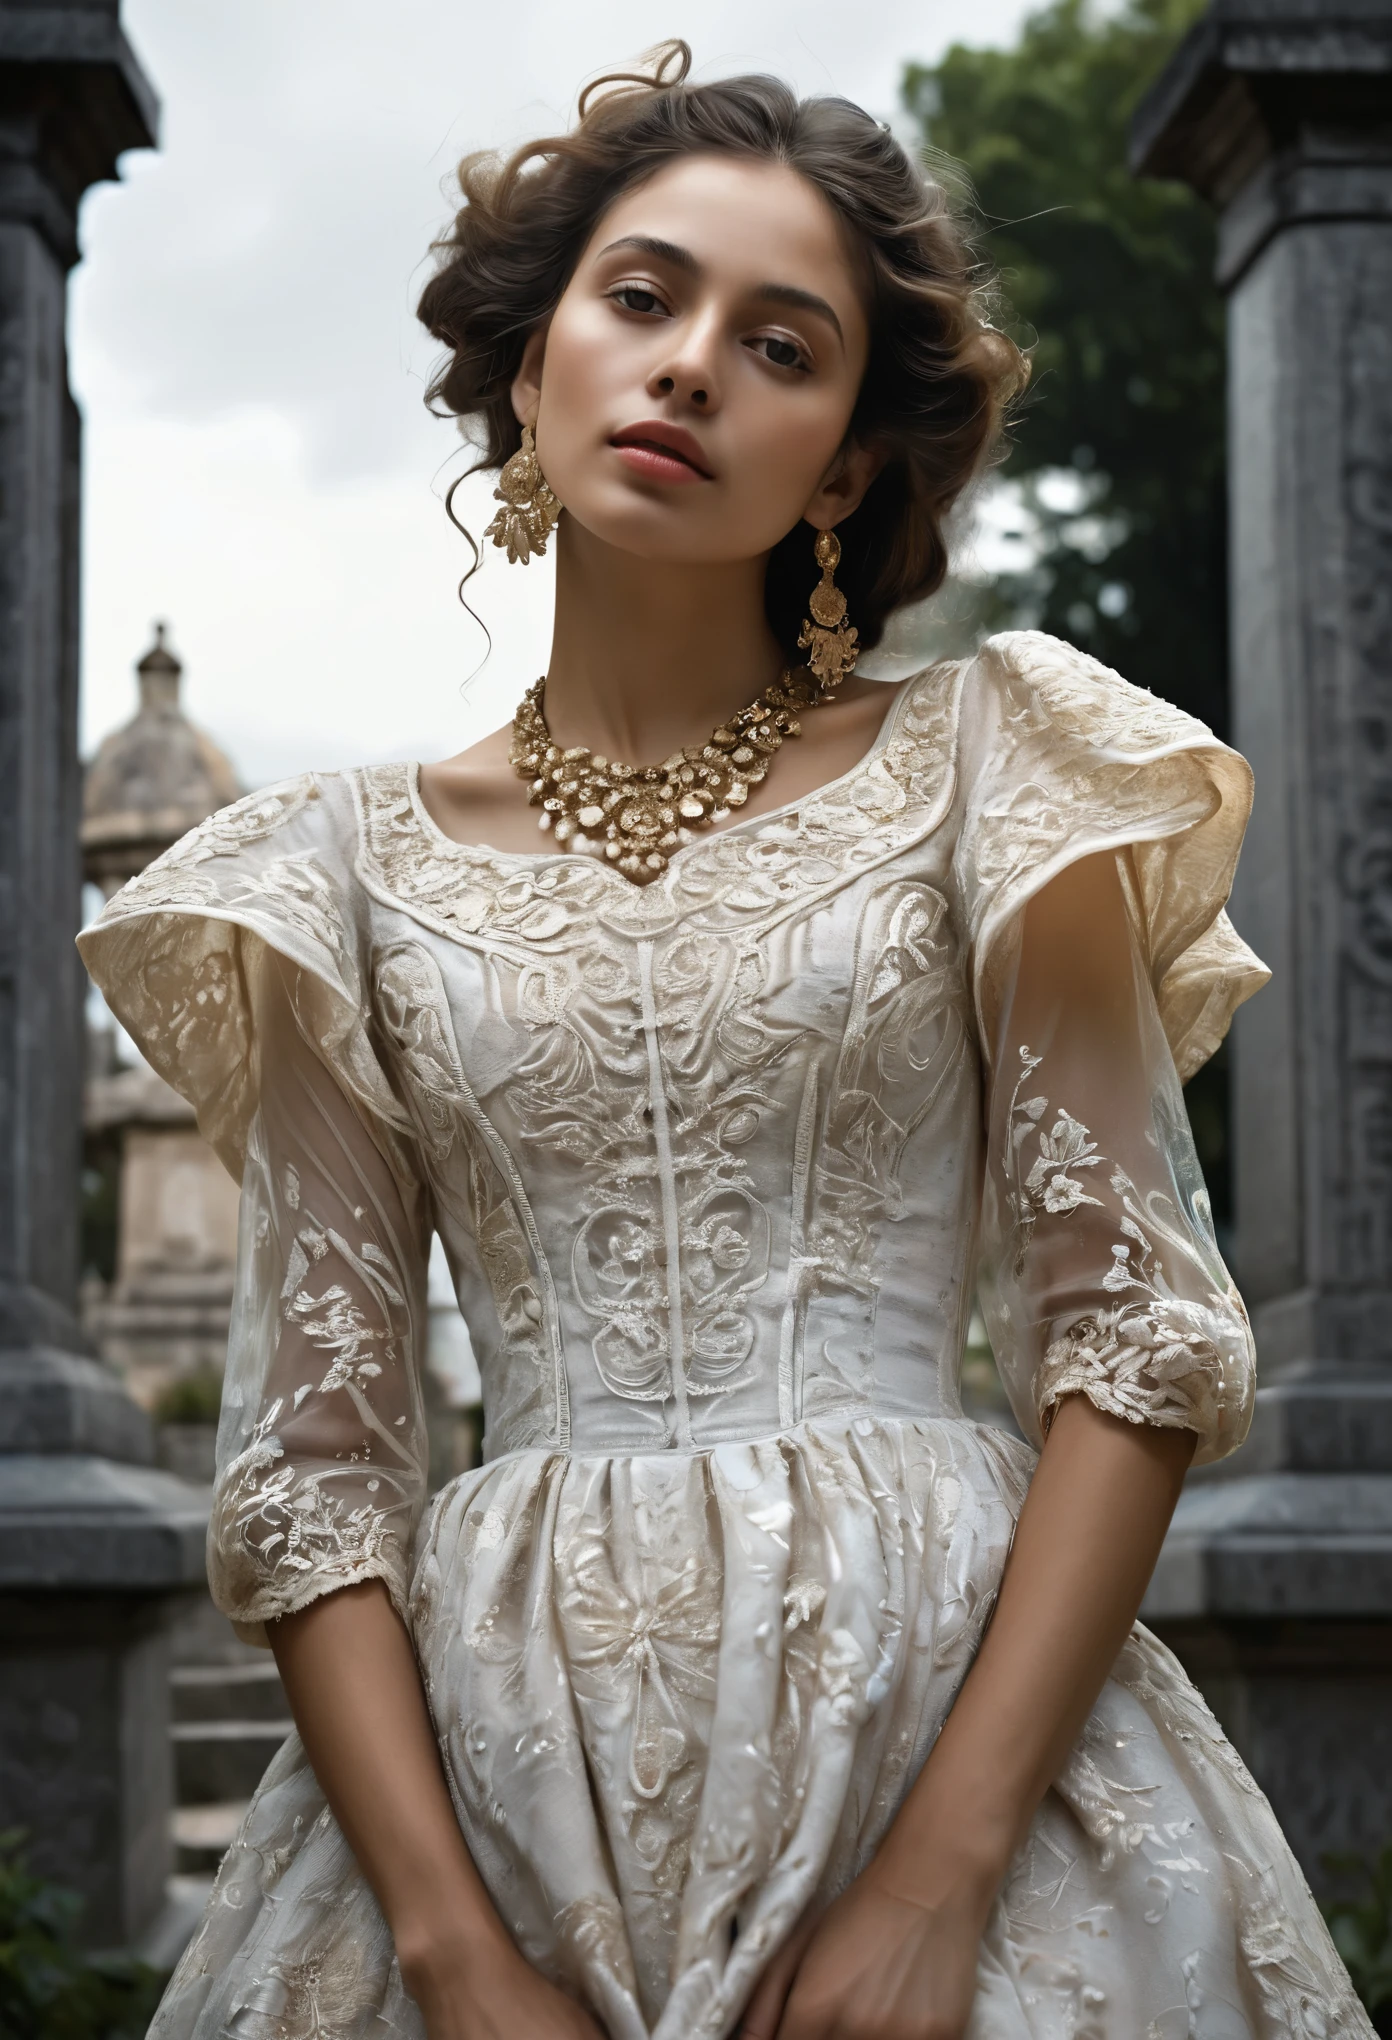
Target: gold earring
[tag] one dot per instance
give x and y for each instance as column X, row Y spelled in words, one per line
column 530, row 508
column 827, row 638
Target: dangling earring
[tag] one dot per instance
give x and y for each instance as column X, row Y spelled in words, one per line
column 530, row 508
column 827, row 638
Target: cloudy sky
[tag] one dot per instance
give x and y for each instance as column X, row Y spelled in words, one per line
column 260, row 470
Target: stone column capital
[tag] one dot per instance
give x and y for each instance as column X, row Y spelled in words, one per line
column 73, row 98
column 1276, row 111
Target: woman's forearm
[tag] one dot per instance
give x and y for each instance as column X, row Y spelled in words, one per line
column 1085, row 1546
column 356, row 1695
column 354, row 1689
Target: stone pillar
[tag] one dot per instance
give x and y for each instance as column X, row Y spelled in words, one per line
column 94, row 1544
column 1276, row 1583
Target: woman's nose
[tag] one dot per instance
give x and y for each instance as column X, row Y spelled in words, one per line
column 674, row 385
column 687, row 372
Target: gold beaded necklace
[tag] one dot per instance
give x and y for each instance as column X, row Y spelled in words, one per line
column 637, row 815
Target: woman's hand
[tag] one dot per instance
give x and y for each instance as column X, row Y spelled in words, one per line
column 351, row 1676
column 882, row 1963
column 895, row 1957
column 489, row 1992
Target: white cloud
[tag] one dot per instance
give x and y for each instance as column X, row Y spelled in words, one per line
column 260, row 469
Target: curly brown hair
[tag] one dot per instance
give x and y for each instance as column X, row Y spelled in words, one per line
column 939, row 378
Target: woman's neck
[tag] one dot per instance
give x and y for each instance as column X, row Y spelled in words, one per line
column 648, row 656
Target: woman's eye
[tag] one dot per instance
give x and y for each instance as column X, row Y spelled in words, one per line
column 634, row 298
column 782, row 353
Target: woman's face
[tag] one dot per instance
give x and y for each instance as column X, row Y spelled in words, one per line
column 692, row 391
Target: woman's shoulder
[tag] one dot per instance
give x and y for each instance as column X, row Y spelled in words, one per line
column 279, row 864
column 1062, row 759
column 1029, row 685
column 179, row 951
column 1055, row 746
column 1026, row 706
column 310, row 819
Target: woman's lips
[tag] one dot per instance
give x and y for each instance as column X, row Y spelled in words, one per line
column 656, row 466
column 660, row 454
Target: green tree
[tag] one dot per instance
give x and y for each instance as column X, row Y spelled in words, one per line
column 1112, row 278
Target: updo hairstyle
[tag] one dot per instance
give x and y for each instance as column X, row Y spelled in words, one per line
column 938, row 379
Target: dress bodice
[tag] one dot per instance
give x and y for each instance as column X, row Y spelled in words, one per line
column 704, row 1156
column 709, row 1157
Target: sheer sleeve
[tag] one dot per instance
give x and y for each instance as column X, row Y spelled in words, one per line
column 238, row 963
column 321, row 1447
column 1101, row 833
column 1101, row 1275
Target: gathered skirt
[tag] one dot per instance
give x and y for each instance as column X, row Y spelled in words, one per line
column 681, row 1696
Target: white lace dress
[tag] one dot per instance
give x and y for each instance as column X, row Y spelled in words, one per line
column 716, row 1163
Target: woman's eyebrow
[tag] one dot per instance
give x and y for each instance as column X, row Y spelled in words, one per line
column 663, row 251
column 803, row 300
column 770, row 293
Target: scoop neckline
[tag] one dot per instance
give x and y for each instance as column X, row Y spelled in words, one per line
column 746, row 825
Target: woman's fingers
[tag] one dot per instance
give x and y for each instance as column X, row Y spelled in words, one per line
column 765, row 2008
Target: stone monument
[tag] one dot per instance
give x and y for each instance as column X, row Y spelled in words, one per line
column 95, row 1543
column 165, row 1315
column 1276, row 1582
column 152, row 780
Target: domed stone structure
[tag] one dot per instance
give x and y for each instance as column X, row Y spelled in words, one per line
column 152, row 780
column 161, row 1318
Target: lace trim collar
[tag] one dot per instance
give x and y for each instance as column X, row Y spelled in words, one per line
column 895, row 794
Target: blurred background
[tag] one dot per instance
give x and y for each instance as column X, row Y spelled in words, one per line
column 269, row 584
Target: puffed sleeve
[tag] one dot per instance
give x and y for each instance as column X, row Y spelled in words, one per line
column 235, row 962
column 1100, row 1273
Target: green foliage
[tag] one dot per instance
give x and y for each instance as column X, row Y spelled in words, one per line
column 49, row 1989
column 101, row 1190
column 1362, row 1929
column 194, row 1398
column 1112, row 277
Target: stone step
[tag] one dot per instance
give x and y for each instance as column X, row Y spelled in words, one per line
column 228, row 1692
column 204, row 1834
column 218, row 1761
column 200, row 1636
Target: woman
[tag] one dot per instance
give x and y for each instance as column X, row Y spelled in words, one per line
column 682, row 1716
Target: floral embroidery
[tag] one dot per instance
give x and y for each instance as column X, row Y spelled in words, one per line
column 336, row 1504
column 567, row 938
column 482, row 1193
column 173, row 939
column 1079, row 753
column 654, row 1653
column 170, row 879
column 1282, row 1938
column 1082, row 698
column 1024, row 826
column 1159, row 1358
column 903, row 1048
column 322, row 1997
column 1078, row 734
column 273, row 1519
column 334, row 1321
column 756, row 868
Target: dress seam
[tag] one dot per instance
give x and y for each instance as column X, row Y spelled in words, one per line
column 666, row 1178
column 629, row 1448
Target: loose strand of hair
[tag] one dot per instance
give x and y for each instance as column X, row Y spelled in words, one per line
column 662, row 68
column 474, row 547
